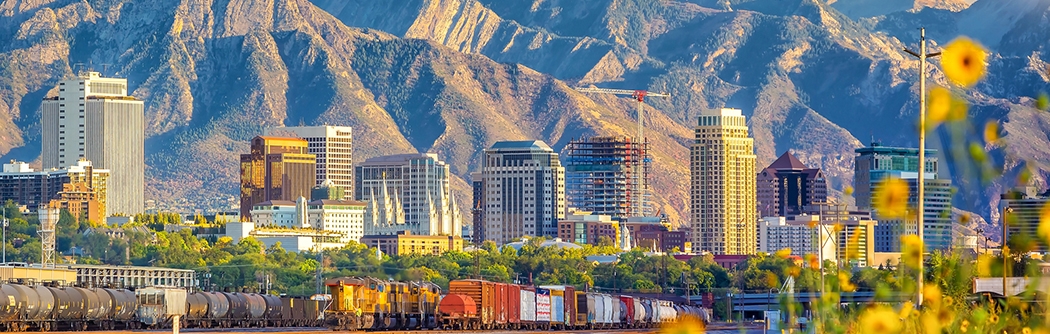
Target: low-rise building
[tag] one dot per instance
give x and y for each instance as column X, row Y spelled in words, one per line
column 291, row 239
column 856, row 236
column 656, row 233
column 36, row 189
column 802, row 234
column 406, row 243
column 131, row 276
column 340, row 216
column 344, row 217
column 589, row 229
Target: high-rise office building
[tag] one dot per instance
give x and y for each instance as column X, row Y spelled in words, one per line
column 94, row 118
column 524, row 187
column 419, row 186
column 602, row 176
column 722, row 194
column 787, row 186
column 276, row 169
column 477, row 207
column 877, row 162
column 333, row 147
column 1022, row 210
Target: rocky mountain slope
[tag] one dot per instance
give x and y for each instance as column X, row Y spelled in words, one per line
column 454, row 76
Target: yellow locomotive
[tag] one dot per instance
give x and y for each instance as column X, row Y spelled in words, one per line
column 369, row 303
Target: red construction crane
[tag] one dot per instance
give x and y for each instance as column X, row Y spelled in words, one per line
column 639, row 95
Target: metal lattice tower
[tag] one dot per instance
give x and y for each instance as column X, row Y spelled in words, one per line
column 48, row 220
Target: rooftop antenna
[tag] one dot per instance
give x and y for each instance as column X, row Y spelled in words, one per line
column 78, row 71
column 105, row 67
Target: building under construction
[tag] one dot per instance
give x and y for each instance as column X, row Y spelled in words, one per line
column 608, row 176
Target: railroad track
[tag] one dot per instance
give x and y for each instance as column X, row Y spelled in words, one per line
column 323, row 330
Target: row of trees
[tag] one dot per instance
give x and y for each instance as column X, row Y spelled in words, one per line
column 249, row 264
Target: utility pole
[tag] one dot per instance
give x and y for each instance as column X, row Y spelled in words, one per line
column 643, row 149
column 5, row 234
column 1005, row 249
column 921, row 182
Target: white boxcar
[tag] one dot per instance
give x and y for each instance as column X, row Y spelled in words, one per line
column 158, row 305
column 543, row 305
column 558, row 309
column 528, row 306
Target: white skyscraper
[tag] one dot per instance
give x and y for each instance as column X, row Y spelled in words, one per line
column 407, row 192
column 94, row 118
column 523, row 191
column 333, row 146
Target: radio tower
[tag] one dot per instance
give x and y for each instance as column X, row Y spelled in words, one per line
column 48, row 220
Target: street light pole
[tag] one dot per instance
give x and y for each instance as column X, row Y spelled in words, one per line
column 921, row 182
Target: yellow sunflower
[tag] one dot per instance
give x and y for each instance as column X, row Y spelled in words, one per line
column 1044, row 223
column 685, row 325
column 991, row 132
column 963, row 61
column 844, row 284
column 911, row 247
column 931, row 296
column 891, row 198
column 879, row 320
column 813, row 261
column 939, row 107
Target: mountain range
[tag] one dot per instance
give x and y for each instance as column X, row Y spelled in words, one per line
column 454, row 76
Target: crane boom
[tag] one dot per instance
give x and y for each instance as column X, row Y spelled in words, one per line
column 640, row 96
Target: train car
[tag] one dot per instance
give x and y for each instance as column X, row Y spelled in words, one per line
column 357, row 303
column 513, row 300
column 28, row 307
column 544, row 309
column 667, row 312
column 602, row 311
column 639, row 314
column 315, row 309
column 122, row 308
column 459, row 312
column 501, row 303
column 294, row 312
column 423, row 304
column 563, row 306
column 557, row 312
column 484, row 294
column 586, row 309
column 627, row 315
column 527, row 307
column 274, row 311
column 157, row 306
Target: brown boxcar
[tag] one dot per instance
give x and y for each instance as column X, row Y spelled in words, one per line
column 501, row 306
column 485, row 297
column 513, row 298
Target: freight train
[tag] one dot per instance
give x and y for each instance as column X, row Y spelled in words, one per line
column 49, row 306
column 357, row 303
column 372, row 304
